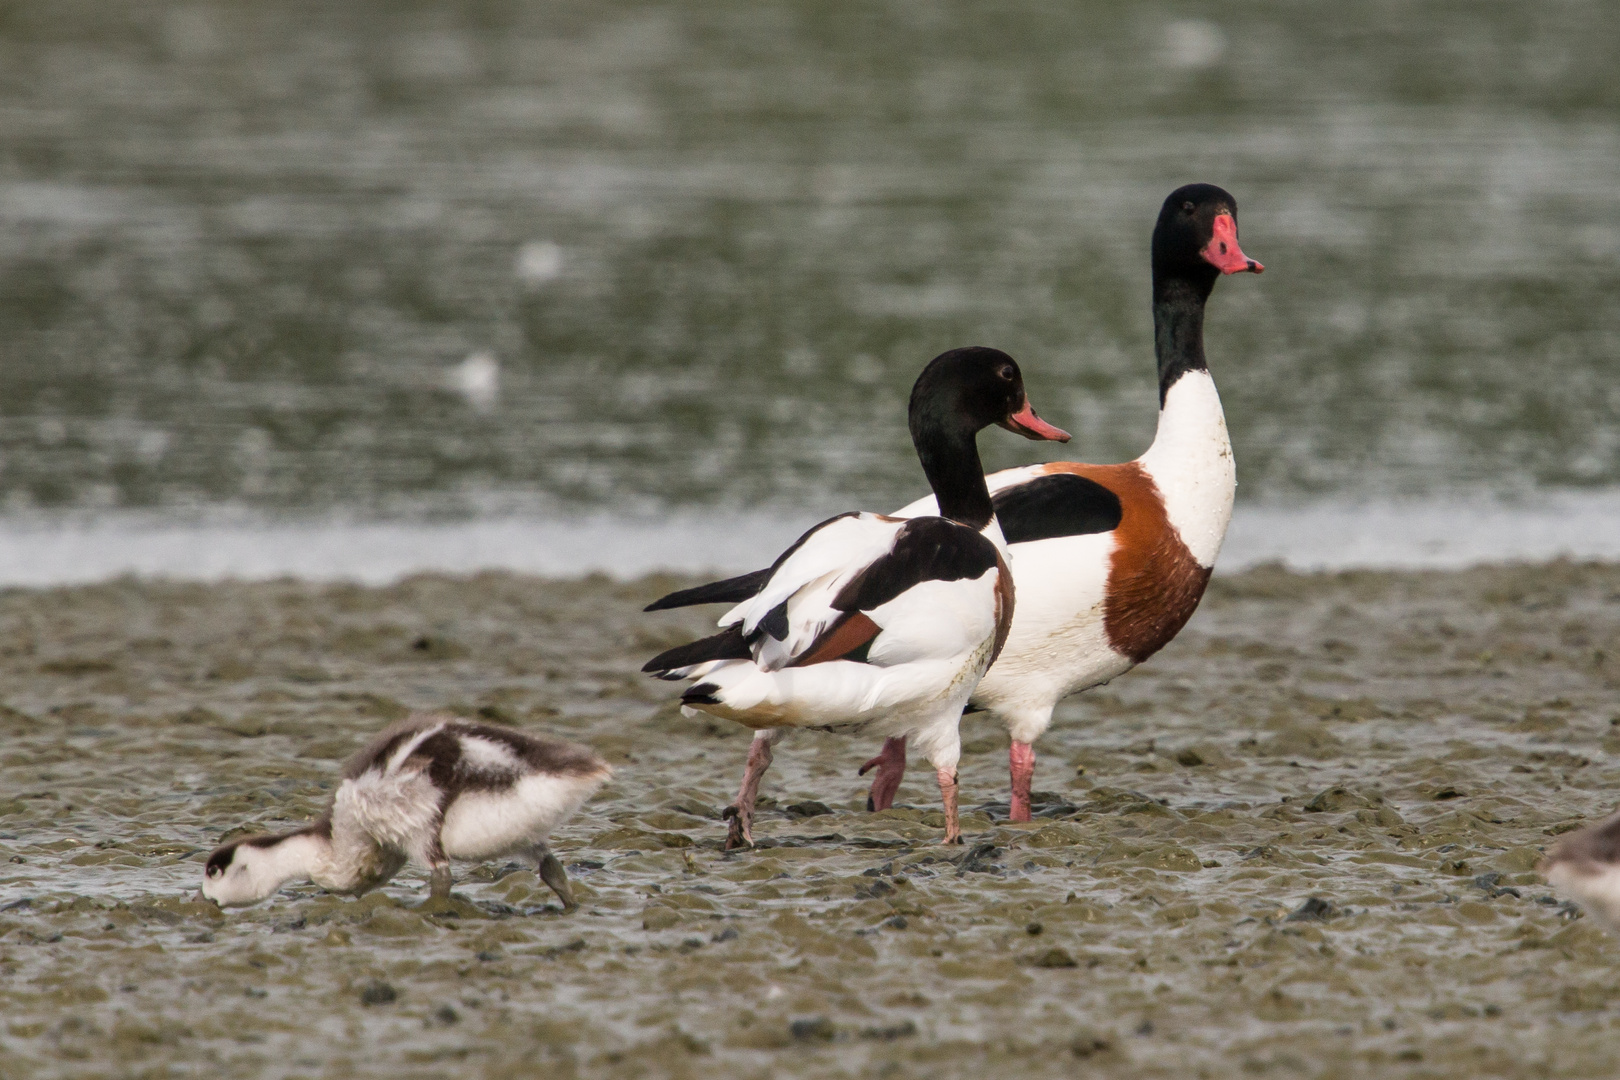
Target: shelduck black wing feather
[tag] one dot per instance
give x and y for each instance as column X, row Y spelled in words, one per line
column 926, row 549
column 730, row 591
column 728, row 644
column 742, row 587
column 1059, row 504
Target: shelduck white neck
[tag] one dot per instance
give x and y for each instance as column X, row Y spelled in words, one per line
column 1191, row 462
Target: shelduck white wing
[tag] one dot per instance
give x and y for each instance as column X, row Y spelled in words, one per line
column 938, row 591
column 917, row 625
column 796, row 606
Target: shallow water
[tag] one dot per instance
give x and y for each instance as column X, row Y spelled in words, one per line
column 1397, row 745
column 709, row 244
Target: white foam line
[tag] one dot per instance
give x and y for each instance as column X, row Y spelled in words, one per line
column 378, row 553
column 1414, row 535
column 1425, row 535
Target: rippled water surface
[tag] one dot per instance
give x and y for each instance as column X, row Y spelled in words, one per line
column 440, row 258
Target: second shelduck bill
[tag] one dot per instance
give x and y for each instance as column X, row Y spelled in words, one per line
column 871, row 624
column 427, row 790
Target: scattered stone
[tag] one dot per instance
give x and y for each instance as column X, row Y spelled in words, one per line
column 1054, row 958
column 813, row 1029
column 378, row 992
column 1085, row 1046
column 903, row 1030
column 1314, row 909
column 809, row 808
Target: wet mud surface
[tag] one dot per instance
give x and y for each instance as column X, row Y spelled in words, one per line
column 1298, row 843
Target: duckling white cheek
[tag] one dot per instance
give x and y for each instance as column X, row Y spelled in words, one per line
column 236, row 887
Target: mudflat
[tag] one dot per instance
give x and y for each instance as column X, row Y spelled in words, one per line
column 1299, row 842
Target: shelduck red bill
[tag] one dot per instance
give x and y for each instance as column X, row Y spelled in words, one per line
column 1223, row 253
column 1024, row 422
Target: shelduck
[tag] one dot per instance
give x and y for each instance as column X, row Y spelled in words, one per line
column 1112, row 560
column 427, row 790
column 1585, row 866
column 872, row 624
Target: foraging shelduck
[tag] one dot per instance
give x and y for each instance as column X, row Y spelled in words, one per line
column 1585, row 866
column 1111, row 559
column 428, row 789
column 871, row 623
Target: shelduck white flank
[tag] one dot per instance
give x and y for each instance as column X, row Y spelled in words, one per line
column 870, row 623
column 1585, row 866
column 427, row 790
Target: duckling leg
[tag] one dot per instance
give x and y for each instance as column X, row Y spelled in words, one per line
column 1021, row 759
column 439, row 882
column 553, row 874
column 947, row 793
column 741, row 813
column 891, row 766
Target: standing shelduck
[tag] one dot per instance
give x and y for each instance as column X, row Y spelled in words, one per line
column 427, row 790
column 1111, row 560
column 871, row 623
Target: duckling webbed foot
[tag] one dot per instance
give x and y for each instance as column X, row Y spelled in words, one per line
column 439, row 882
column 553, row 874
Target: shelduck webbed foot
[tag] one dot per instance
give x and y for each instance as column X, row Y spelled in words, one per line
column 1021, row 763
column 891, row 768
column 740, row 834
column 947, row 794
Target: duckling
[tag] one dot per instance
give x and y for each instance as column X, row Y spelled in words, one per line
column 429, row 789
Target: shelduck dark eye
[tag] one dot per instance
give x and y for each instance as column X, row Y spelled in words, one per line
column 1189, row 207
column 214, row 871
column 1005, row 371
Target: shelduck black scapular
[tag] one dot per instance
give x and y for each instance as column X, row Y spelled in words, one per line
column 1585, row 866
column 1112, row 560
column 427, row 790
column 872, row 624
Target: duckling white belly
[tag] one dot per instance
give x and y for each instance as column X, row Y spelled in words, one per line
column 484, row 824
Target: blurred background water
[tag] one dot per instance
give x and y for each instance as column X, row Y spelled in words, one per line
column 431, row 266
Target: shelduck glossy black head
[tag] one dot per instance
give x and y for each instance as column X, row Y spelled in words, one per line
column 1196, row 238
column 967, row 390
column 959, row 394
column 1194, row 242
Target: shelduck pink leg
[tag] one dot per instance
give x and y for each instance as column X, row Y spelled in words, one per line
column 1021, row 758
column 891, row 767
column 741, row 813
column 947, row 794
